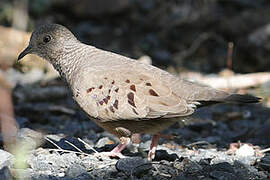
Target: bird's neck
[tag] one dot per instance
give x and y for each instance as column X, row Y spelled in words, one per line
column 69, row 62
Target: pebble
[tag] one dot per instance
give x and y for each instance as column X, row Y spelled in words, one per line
column 265, row 163
column 5, row 173
column 245, row 150
column 128, row 165
column 103, row 141
column 6, row 159
column 221, row 175
column 75, row 170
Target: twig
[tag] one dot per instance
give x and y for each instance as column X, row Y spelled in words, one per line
column 53, row 143
column 87, row 145
column 103, row 166
column 199, row 142
column 229, row 56
column 69, row 151
column 264, row 150
column 73, row 145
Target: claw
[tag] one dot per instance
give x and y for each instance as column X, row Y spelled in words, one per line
column 116, row 152
column 153, row 147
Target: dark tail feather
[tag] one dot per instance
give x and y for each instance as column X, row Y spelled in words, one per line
column 232, row 98
column 239, row 98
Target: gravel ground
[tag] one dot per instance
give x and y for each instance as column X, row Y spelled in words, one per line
column 218, row 142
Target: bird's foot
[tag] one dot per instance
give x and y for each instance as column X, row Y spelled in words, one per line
column 116, row 152
column 110, row 154
column 153, row 147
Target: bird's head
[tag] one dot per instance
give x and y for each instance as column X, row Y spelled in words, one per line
column 49, row 42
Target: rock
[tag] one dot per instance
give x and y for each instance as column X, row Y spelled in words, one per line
column 103, row 141
column 191, row 167
column 220, row 175
column 5, row 173
column 245, row 150
column 75, row 170
column 164, row 155
column 84, row 176
column 31, row 137
column 265, row 163
column 6, row 159
column 225, row 167
column 128, row 165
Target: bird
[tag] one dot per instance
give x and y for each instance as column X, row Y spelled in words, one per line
column 120, row 94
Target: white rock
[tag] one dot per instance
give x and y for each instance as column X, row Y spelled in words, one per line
column 5, row 158
column 245, row 150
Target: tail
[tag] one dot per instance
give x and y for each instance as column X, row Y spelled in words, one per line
column 241, row 99
column 231, row 98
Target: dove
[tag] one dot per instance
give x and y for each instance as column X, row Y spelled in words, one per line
column 122, row 95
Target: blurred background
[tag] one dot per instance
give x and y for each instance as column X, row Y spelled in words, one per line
column 189, row 34
column 222, row 43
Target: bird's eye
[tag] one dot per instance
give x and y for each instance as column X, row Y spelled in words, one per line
column 47, row 38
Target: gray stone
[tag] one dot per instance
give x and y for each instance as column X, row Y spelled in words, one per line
column 128, row 165
column 220, row 175
column 5, row 174
column 102, row 142
column 6, row 158
column 75, row 170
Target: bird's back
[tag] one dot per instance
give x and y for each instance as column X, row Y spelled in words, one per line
column 113, row 87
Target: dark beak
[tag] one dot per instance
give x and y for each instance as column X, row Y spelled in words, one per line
column 25, row 52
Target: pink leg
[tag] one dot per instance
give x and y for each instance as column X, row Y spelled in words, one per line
column 116, row 152
column 153, row 147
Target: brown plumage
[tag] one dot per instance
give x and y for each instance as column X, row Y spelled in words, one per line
column 120, row 94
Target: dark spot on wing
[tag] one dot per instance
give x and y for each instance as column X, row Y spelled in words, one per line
column 116, row 90
column 131, row 99
column 109, row 91
column 113, row 82
column 106, row 99
column 153, row 93
column 127, row 81
column 105, row 78
column 100, row 87
column 115, row 104
column 90, row 89
column 101, row 102
column 133, row 88
column 148, row 84
column 135, row 111
column 111, row 109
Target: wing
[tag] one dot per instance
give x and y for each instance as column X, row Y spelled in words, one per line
column 129, row 91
